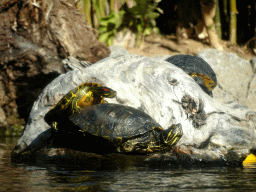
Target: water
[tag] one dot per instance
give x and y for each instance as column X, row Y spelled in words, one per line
column 18, row 177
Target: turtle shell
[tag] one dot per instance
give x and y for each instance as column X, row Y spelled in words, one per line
column 114, row 122
column 108, row 128
column 76, row 99
column 198, row 69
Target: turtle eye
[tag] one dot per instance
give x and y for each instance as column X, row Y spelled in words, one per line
column 105, row 89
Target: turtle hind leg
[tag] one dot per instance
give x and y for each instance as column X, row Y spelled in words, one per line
column 139, row 145
column 147, row 143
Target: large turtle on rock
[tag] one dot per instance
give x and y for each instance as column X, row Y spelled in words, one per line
column 75, row 100
column 119, row 128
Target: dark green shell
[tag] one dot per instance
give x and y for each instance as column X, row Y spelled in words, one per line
column 110, row 128
column 119, row 128
column 114, row 121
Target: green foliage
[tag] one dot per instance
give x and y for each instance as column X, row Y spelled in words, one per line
column 140, row 19
column 94, row 10
column 109, row 26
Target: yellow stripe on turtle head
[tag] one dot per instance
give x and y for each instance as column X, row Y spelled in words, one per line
column 158, row 128
column 209, row 83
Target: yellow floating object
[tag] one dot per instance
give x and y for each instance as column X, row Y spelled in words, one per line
column 250, row 159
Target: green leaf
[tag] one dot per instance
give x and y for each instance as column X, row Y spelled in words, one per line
column 148, row 31
column 105, row 36
column 109, row 41
column 156, row 30
column 160, row 10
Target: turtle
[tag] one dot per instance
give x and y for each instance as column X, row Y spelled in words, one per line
column 118, row 128
column 198, row 69
column 76, row 99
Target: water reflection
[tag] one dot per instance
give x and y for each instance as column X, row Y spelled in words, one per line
column 18, row 177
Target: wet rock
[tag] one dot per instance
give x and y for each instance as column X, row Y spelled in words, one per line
column 211, row 129
column 236, row 79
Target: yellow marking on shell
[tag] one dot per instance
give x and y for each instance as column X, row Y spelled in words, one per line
column 149, row 150
column 97, row 132
column 76, row 90
column 106, row 130
column 86, row 100
column 84, row 129
column 209, row 83
column 158, row 128
column 72, row 95
column 94, row 84
column 106, row 137
column 120, row 138
column 64, row 102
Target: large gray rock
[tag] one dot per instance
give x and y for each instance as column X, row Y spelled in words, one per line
column 236, row 77
column 163, row 91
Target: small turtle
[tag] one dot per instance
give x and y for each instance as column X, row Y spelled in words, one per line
column 198, row 69
column 119, row 128
column 75, row 100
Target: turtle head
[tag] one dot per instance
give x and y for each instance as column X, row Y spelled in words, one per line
column 206, row 84
column 172, row 135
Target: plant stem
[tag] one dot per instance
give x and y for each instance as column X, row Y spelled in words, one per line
column 233, row 29
column 217, row 20
column 87, row 9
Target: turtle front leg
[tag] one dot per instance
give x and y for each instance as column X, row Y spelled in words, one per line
column 140, row 144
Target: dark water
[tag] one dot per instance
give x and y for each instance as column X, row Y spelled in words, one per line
column 17, row 177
